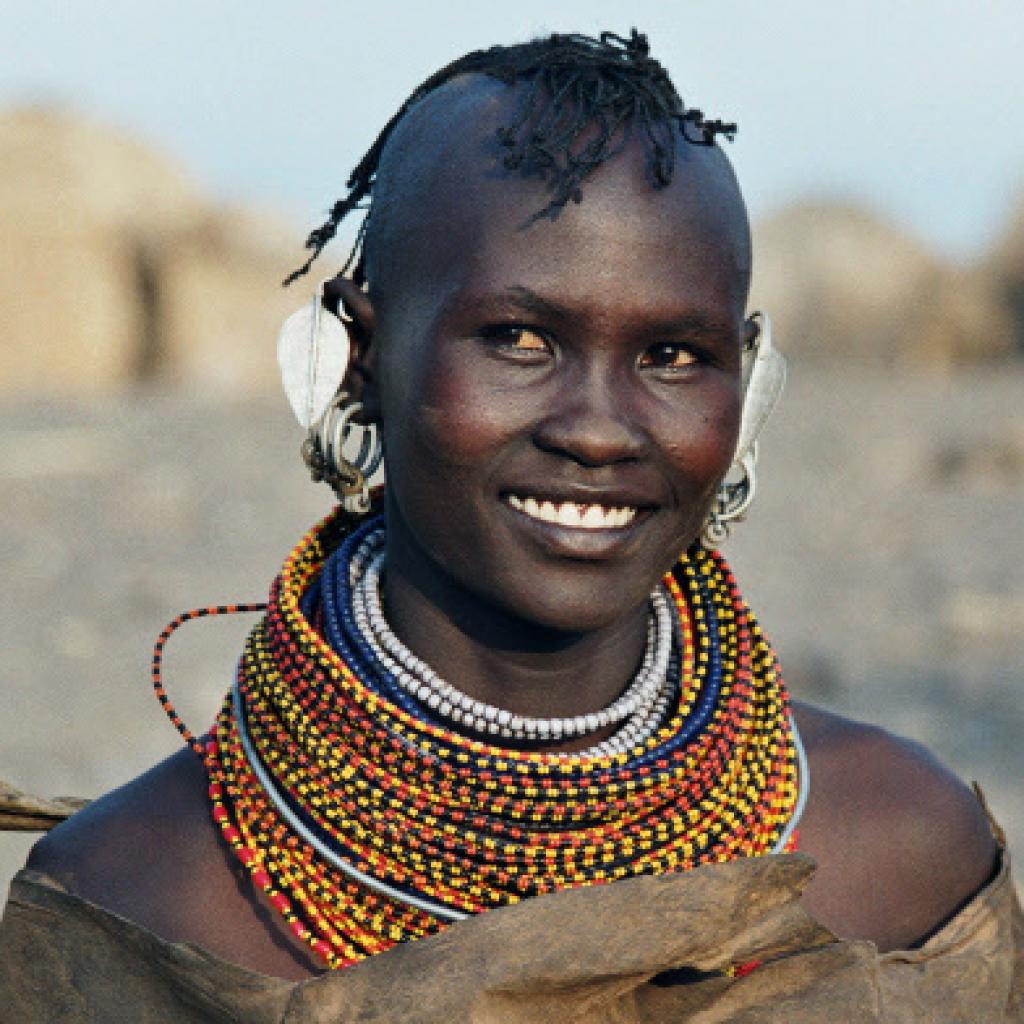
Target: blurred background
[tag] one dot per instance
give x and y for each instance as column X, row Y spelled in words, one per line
column 160, row 165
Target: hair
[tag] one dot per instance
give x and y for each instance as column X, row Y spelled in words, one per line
column 576, row 83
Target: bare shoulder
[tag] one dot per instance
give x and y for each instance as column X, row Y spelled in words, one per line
column 133, row 848
column 150, row 853
column 901, row 843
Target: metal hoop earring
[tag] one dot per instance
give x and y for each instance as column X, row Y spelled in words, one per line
column 735, row 496
column 323, row 451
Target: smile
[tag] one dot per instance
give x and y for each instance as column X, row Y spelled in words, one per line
column 573, row 514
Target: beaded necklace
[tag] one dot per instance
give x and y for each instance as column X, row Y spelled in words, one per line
column 641, row 708
column 367, row 820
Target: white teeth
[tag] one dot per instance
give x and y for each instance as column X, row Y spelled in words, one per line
column 571, row 514
column 568, row 514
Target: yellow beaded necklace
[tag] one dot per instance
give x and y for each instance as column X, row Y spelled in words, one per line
column 366, row 824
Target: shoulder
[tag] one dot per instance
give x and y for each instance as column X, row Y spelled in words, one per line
column 150, row 853
column 901, row 843
column 113, row 851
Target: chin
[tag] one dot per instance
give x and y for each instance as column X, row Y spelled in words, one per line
column 579, row 600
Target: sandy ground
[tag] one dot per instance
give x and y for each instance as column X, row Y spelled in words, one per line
column 883, row 556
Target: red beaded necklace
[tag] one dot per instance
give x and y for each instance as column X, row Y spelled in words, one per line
column 366, row 825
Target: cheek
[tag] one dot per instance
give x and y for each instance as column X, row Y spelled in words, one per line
column 699, row 439
column 446, row 418
column 456, row 423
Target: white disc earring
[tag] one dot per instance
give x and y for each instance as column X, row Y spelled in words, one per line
column 313, row 351
column 764, row 376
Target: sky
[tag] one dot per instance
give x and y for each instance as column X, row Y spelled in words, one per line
column 911, row 107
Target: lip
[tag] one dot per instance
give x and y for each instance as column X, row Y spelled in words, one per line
column 580, row 543
column 609, row 497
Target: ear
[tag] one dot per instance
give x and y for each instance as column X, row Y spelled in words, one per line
column 355, row 310
column 750, row 332
column 750, row 341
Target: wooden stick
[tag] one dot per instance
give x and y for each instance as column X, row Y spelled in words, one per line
column 20, row 812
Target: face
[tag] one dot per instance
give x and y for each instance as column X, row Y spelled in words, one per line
column 559, row 401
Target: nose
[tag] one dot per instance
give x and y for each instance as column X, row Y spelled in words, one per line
column 590, row 422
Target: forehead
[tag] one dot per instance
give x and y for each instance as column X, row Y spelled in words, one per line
column 448, row 214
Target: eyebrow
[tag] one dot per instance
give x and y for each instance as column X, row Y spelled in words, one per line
column 691, row 323
column 529, row 300
column 697, row 323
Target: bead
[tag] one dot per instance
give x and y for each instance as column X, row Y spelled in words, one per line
column 700, row 766
column 403, row 664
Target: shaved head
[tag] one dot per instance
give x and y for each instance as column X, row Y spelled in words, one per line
column 580, row 101
column 443, row 181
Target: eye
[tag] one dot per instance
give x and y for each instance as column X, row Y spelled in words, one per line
column 668, row 355
column 517, row 339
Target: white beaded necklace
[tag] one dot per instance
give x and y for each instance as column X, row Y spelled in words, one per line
column 642, row 707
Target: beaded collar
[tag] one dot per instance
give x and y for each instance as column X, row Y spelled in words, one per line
column 367, row 821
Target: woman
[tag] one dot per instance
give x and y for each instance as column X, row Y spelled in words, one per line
column 504, row 680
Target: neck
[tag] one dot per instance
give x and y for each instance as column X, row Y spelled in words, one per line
column 495, row 656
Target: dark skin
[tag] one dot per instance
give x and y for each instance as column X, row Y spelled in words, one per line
column 594, row 358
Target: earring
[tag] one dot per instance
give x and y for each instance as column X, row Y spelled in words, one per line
column 324, row 454
column 735, row 495
column 313, row 353
column 763, row 374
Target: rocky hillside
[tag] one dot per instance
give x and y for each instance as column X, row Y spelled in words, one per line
column 115, row 269
column 841, row 284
